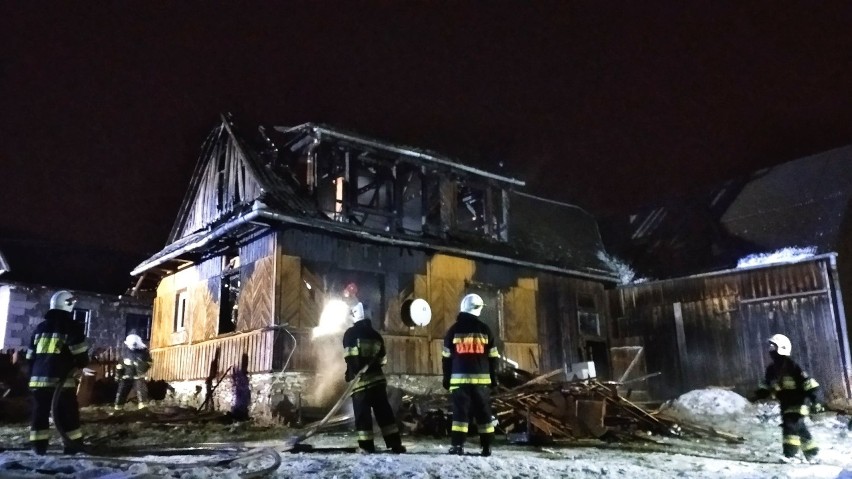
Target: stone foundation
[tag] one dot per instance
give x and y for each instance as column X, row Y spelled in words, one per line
column 275, row 397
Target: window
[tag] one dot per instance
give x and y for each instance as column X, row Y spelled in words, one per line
column 138, row 324
column 588, row 319
column 480, row 209
column 589, row 323
column 229, row 302
column 181, row 301
column 82, row 316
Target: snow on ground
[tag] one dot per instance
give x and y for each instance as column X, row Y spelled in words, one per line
column 664, row 458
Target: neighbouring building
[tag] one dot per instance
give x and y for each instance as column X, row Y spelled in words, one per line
column 278, row 222
column 705, row 322
column 32, row 269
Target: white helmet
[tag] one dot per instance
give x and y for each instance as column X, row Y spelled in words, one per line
column 63, row 300
column 134, row 341
column 356, row 313
column 780, row 344
column 472, row 304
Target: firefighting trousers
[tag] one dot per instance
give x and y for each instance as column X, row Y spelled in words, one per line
column 124, row 386
column 67, row 415
column 472, row 402
column 796, row 436
column 374, row 400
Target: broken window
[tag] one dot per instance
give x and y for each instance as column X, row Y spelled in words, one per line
column 229, row 304
column 411, row 196
column 372, row 196
column 350, row 287
column 83, row 316
column 181, row 303
column 480, row 210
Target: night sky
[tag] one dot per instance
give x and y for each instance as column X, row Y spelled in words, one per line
column 603, row 104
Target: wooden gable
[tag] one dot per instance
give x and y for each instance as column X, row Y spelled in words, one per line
column 224, row 179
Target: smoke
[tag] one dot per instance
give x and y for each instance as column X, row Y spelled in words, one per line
column 327, row 340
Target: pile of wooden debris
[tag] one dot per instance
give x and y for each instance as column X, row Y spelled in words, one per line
column 532, row 408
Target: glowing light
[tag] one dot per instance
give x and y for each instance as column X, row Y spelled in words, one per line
column 308, row 285
column 333, row 320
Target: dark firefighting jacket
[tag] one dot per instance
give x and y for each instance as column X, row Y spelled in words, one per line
column 363, row 346
column 470, row 353
column 134, row 363
column 57, row 347
column 790, row 385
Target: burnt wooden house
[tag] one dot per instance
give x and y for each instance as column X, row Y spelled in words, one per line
column 705, row 322
column 277, row 221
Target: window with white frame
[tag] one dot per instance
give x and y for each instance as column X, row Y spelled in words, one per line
column 181, row 303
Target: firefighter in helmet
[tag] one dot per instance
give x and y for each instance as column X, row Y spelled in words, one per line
column 133, row 368
column 58, row 347
column 787, row 382
column 363, row 346
column 470, row 370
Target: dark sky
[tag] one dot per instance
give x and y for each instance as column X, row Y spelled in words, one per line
column 605, row 104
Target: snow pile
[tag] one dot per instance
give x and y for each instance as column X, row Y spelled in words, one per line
column 712, row 402
column 784, row 255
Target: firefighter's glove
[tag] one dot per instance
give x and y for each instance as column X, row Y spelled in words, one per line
column 817, row 408
column 446, row 383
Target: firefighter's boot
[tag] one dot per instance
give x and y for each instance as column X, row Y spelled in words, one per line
column 485, row 440
column 40, row 446
column 367, row 447
column 394, row 443
column 457, row 443
column 73, row 447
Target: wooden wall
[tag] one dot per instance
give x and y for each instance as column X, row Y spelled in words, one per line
column 711, row 330
column 275, row 271
column 193, row 361
column 558, row 330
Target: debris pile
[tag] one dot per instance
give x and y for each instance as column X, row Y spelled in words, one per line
column 534, row 408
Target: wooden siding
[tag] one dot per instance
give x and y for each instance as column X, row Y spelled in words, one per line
column 289, row 290
column 527, row 355
column 194, row 361
column 520, row 316
column 558, row 330
column 712, row 330
column 274, row 291
column 257, row 289
column 224, row 183
column 203, row 310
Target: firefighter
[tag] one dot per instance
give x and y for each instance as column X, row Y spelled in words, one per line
column 58, row 346
column 135, row 363
column 363, row 346
column 470, row 370
column 792, row 387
